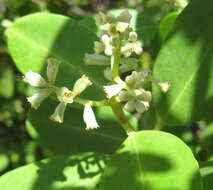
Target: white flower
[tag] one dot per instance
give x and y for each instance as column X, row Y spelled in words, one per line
column 112, row 90
column 58, row 114
column 93, row 59
column 98, row 47
column 65, row 95
column 52, row 69
column 164, row 86
column 81, row 84
column 89, row 118
column 124, row 17
column 113, row 30
column 34, row 79
column 133, row 36
column 38, row 97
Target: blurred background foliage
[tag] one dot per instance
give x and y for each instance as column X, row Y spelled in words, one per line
column 16, row 146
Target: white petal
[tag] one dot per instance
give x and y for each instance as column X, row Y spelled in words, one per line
column 34, row 79
column 105, row 39
column 38, row 97
column 164, row 86
column 101, row 19
column 121, row 27
column 140, row 107
column 112, row 90
column 81, row 84
column 137, row 48
column 52, row 69
column 58, row 114
column 133, row 36
column 89, row 118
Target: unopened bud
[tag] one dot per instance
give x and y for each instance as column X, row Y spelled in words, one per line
column 130, row 106
column 124, row 96
column 93, row 59
column 52, row 69
column 98, row 47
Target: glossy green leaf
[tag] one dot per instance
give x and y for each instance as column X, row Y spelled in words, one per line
column 71, row 136
column 206, row 171
column 152, row 160
column 79, row 172
column 207, row 140
column 186, row 61
column 166, row 25
column 34, row 38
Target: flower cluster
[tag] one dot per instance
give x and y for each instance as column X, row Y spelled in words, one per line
column 64, row 95
column 120, row 42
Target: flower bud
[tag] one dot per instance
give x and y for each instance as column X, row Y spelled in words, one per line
column 58, row 114
column 130, row 81
column 124, row 96
column 108, row 50
column 137, row 48
column 93, row 59
column 133, row 36
column 124, row 17
column 98, row 47
column 52, row 69
column 110, row 18
column 144, row 95
column 130, row 106
column 127, row 50
column 34, row 79
column 89, row 118
column 81, row 84
column 105, row 39
column 140, row 107
column 38, row 97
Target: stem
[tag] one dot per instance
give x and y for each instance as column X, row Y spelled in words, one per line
column 115, row 105
column 116, row 108
column 91, row 102
column 115, row 60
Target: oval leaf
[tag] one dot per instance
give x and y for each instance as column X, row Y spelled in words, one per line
column 186, row 61
column 57, row 173
column 152, row 160
column 34, row 38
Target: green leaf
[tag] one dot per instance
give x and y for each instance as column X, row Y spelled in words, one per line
column 206, row 171
column 186, row 61
column 166, row 25
column 34, row 38
column 77, row 172
column 207, row 140
column 152, row 160
column 71, row 136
